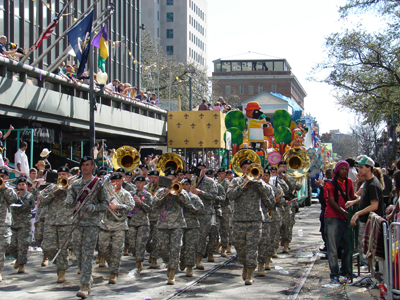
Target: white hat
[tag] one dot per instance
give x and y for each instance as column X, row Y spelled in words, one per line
column 45, row 152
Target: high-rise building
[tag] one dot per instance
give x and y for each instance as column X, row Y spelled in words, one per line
column 179, row 27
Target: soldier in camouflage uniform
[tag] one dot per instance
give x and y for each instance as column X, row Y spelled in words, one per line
column 21, row 226
column 170, row 226
column 213, row 238
column 87, row 232
column 191, row 232
column 7, row 197
column 112, row 229
column 266, row 247
column 139, row 224
column 152, row 244
column 58, row 225
column 207, row 190
column 288, row 214
column 247, row 218
column 129, row 186
column 226, row 219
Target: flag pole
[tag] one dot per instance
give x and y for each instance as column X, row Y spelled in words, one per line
column 57, row 61
column 45, row 52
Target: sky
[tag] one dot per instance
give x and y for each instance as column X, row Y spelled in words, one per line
column 290, row 29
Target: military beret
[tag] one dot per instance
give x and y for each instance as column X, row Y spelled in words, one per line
column 101, row 172
column 282, row 162
column 116, row 175
column 140, row 178
column 121, row 170
column 273, row 168
column 228, row 172
column 169, row 171
column 63, row 169
column 201, row 164
column 103, row 168
column 221, row 170
column 155, row 173
column 245, row 161
column 267, row 171
column 179, row 171
column 209, row 172
column 128, row 173
column 21, row 179
column 143, row 166
column 186, row 180
column 85, row 159
column 4, row 172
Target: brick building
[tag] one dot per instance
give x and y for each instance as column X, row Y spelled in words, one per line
column 247, row 77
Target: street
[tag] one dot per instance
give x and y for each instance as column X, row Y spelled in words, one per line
column 300, row 274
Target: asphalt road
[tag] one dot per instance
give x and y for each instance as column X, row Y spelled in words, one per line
column 300, row 274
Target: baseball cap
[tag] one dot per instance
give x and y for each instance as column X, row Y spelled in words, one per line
column 365, row 161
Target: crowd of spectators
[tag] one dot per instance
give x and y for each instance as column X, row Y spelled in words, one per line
column 220, row 105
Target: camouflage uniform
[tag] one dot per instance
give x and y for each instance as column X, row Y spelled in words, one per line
column 112, row 231
column 139, row 226
column 287, row 213
column 131, row 188
column 57, row 227
column 209, row 192
column 226, row 219
column 191, row 232
column 294, row 205
column 21, row 228
column 7, row 197
column 247, row 217
column 40, row 216
column 170, row 225
column 266, row 225
column 152, row 244
column 215, row 228
column 87, row 232
column 274, row 237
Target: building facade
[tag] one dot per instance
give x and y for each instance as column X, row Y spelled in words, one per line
column 247, row 77
column 23, row 21
column 179, row 27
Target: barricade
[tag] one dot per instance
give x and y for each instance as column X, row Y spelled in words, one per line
column 353, row 240
column 392, row 252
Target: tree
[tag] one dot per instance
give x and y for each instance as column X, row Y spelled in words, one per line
column 364, row 67
column 344, row 145
column 368, row 136
column 161, row 73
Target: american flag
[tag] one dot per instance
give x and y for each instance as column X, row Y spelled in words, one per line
column 47, row 33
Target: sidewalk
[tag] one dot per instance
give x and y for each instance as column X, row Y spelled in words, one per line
column 361, row 293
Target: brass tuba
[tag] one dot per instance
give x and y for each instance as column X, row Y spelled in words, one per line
column 241, row 155
column 169, row 160
column 298, row 162
column 126, row 157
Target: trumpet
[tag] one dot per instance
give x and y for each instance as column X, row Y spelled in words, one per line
column 175, row 189
column 253, row 173
column 63, row 183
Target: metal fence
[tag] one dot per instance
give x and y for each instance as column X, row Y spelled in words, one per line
column 392, row 251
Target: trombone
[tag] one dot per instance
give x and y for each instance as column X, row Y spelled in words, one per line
column 175, row 189
column 253, row 173
column 63, row 183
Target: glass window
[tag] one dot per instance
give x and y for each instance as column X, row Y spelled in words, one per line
column 260, row 88
column 268, row 66
column 170, row 50
column 236, row 66
column 251, row 90
column 218, row 67
column 190, row 19
column 241, row 89
column 170, row 2
column 246, row 66
column 278, row 66
column 226, row 66
column 170, row 33
column 158, row 15
column 158, row 32
column 227, row 89
column 273, row 88
column 170, row 16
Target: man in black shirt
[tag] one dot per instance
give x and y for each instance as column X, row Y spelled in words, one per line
column 388, row 187
column 371, row 198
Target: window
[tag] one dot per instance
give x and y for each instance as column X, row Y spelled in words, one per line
column 158, row 15
column 260, row 88
column 158, row 32
column 236, row 66
column 251, row 90
column 170, row 33
column 278, row 66
column 170, row 2
column 246, row 66
column 170, row 16
column 170, row 50
column 273, row 88
column 227, row 89
column 241, row 89
column 190, row 19
column 226, row 66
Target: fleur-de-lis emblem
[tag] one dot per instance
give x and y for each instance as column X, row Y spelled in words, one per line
column 186, row 141
column 193, row 125
column 186, row 116
column 201, row 116
column 179, row 125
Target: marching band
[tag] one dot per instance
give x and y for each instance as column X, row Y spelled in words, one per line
column 176, row 215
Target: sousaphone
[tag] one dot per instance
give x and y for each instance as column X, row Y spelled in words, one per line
column 169, row 160
column 126, row 157
column 298, row 162
column 243, row 154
